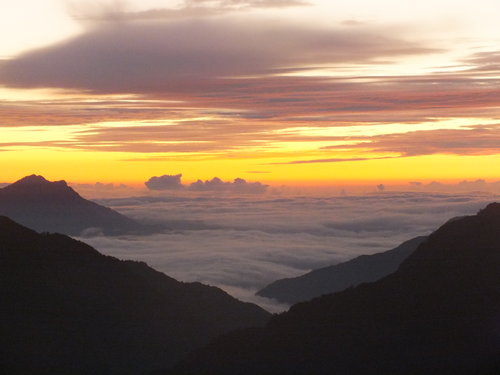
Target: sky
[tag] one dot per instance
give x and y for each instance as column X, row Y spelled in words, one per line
column 272, row 92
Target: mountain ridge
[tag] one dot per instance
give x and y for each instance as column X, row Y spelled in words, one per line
column 67, row 309
column 334, row 278
column 55, row 207
column 439, row 313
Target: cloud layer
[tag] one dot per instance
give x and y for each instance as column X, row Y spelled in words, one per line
column 242, row 244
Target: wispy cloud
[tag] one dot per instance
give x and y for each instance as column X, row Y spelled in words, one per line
column 336, row 160
column 477, row 140
column 239, row 86
column 118, row 11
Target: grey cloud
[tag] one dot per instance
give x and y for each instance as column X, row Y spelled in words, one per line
column 186, row 55
column 239, row 185
column 117, row 11
column 165, row 182
column 249, row 3
column 215, row 185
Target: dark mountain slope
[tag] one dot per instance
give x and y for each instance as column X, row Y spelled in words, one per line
column 55, row 207
column 67, row 309
column 438, row 314
column 331, row 279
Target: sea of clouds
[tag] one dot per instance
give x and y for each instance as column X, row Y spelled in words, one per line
column 242, row 243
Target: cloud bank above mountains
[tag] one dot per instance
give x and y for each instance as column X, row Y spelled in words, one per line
column 243, row 243
column 173, row 182
column 165, row 182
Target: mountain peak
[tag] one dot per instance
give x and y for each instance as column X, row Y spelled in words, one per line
column 38, row 184
column 32, row 179
column 35, row 179
column 55, row 207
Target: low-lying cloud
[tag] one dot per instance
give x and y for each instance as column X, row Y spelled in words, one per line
column 243, row 243
column 464, row 186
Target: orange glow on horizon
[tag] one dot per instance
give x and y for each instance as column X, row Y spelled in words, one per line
column 105, row 167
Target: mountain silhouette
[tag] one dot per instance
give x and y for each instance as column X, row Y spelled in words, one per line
column 55, row 207
column 67, row 309
column 331, row 279
column 439, row 313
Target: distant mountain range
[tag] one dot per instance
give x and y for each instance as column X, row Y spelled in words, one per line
column 55, row 207
column 67, row 309
column 439, row 313
column 331, row 279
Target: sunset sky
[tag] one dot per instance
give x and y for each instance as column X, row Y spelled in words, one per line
column 279, row 91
